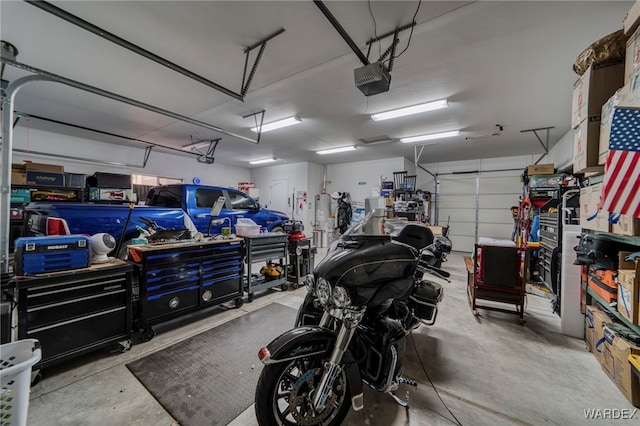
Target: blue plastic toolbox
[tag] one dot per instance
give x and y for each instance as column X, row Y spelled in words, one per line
column 35, row 255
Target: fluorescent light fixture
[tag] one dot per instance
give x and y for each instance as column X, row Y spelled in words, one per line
column 415, row 109
column 431, row 137
column 277, row 124
column 336, row 150
column 194, row 146
column 263, row 161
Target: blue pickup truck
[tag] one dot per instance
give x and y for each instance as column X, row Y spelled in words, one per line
column 166, row 205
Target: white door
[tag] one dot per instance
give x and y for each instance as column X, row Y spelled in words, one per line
column 279, row 197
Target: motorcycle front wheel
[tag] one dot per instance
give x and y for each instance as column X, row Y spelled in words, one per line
column 285, row 390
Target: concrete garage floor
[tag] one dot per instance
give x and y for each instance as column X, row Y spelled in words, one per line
column 488, row 371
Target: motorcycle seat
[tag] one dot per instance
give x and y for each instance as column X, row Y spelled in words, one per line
column 417, row 236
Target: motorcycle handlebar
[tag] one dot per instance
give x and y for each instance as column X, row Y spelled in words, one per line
column 434, row 271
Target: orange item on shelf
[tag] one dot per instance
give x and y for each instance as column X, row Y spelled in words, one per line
column 602, row 281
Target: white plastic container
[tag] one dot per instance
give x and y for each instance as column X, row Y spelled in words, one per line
column 16, row 360
column 247, row 228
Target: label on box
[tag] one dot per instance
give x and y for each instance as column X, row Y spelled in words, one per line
column 45, row 179
column 20, row 195
column 109, row 194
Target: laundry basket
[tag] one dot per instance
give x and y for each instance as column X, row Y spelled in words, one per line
column 16, row 360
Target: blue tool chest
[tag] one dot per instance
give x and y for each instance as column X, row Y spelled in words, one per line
column 180, row 278
column 35, row 255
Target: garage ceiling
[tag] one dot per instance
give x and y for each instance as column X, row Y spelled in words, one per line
column 505, row 63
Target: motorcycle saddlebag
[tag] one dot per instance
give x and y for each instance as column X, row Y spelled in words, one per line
column 424, row 301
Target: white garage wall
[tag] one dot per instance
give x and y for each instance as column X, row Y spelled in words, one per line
column 297, row 175
column 159, row 164
column 360, row 178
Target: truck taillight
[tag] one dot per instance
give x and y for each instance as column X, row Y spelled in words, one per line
column 57, row 226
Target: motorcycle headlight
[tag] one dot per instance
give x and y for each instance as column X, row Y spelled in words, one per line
column 310, row 282
column 323, row 291
column 341, row 297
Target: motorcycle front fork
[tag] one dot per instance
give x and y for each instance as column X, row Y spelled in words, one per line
column 332, row 367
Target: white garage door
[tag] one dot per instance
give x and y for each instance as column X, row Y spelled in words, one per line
column 458, row 204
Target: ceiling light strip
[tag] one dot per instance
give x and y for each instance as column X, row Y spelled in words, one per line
column 415, row 109
column 263, row 161
column 336, row 150
column 431, row 136
column 290, row 121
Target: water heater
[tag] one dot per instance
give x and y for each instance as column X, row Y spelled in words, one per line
column 323, row 210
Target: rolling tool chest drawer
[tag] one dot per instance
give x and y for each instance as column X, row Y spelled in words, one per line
column 176, row 279
column 78, row 311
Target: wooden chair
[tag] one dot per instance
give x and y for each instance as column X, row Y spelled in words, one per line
column 499, row 275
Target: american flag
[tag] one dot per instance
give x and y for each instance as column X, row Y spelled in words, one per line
column 621, row 188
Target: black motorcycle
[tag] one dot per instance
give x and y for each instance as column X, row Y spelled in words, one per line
column 363, row 300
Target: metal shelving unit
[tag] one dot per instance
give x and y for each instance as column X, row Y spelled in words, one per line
column 614, row 312
column 265, row 247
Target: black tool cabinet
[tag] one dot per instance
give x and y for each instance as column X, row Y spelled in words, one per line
column 264, row 248
column 75, row 312
column 180, row 278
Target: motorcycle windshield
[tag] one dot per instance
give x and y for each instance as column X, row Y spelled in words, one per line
column 374, row 224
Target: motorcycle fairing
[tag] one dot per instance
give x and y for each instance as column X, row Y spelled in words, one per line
column 305, row 341
column 368, row 267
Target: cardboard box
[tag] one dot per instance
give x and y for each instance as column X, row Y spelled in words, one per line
column 594, row 320
column 18, row 174
column 619, row 349
column 632, row 56
column 600, row 349
column 626, row 96
column 44, row 178
column 593, row 89
column 632, row 18
column 541, row 169
column 627, row 225
column 42, row 167
column 628, row 295
column 586, row 145
column 628, row 288
column 589, row 199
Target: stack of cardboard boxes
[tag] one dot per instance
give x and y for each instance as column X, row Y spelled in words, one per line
column 610, row 348
column 609, row 343
column 37, row 174
column 602, row 89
